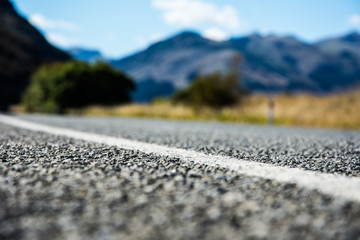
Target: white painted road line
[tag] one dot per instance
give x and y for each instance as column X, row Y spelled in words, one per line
column 331, row 184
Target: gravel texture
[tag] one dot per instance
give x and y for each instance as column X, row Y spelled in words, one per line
column 328, row 151
column 54, row 188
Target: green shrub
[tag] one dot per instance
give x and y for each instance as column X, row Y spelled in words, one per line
column 213, row 90
column 58, row 86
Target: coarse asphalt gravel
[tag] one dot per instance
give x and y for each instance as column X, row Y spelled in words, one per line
column 55, row 187
column 328, row 151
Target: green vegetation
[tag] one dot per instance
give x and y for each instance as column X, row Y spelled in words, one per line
column 22, row 50
column 58, row 86
column 213, row 90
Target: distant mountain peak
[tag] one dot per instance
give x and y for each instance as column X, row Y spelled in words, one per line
column 188, row 36
column 188, row 33
column 88, row 55
column 270, row 63
column 182, row 40
column 353, row 37
column 255, row 35
column 77, row 50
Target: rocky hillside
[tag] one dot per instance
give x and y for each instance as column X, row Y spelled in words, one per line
column 269, row 63
column 22, row 50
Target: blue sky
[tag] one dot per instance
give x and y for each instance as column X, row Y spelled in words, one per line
column 118, row 27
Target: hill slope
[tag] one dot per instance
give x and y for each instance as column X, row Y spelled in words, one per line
column 22, row 50
column 87, row 55
column 269, row 63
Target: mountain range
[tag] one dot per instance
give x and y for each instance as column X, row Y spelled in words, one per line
column 269, row 64
column 22, row 50
column 87, row 55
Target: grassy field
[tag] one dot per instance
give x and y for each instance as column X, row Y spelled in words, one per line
column 335, row 111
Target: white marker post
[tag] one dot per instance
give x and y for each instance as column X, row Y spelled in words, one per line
column 271, row 110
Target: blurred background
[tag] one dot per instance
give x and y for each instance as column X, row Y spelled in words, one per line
column 280, row 62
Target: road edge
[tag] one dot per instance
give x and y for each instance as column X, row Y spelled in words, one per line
column 331, row 184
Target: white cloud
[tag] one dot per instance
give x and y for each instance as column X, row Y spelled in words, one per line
column 61, row 40
column 354, row 19
column 190, row 13
column 44, row 23
column 215, row 34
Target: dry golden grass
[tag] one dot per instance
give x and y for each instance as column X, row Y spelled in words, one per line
column 166, row 110
column 335, row 111
column 163, row 110
column 17, row 109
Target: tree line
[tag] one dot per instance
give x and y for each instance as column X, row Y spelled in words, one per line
column 56, row 87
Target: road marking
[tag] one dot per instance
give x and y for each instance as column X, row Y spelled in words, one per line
column 335, row 185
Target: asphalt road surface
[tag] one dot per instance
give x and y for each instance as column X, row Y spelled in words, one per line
column 110, row 178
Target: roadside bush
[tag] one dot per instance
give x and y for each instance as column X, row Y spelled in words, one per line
column 213, row 90
column 58, row 86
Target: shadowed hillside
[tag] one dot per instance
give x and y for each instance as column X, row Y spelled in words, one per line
column 269, row 63
column 22, row 50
